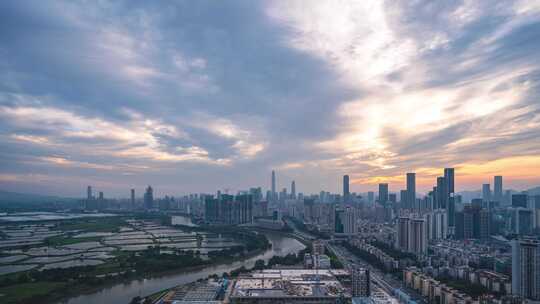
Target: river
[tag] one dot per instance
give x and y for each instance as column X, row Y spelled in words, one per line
column 123, row 293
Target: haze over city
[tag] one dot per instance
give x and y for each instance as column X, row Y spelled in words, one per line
column 203, row 95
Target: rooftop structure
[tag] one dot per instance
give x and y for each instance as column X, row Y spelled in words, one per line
column 290, row 285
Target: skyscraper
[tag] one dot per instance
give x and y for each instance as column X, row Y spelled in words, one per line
column 274, row 194
column 526, row 268
column 89, row 192
column 132, row 199
column 441, row 193
column 149, row 198
column 450, row 202
column 498, row 189
column 346, row 192
column 383, row 193
column 486, row 192
column 293, row 190
column 411, row 190
column 449, row 178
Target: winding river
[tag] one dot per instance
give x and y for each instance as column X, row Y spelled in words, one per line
column 123, row 293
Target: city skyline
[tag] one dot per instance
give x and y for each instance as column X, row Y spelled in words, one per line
column 192, row 97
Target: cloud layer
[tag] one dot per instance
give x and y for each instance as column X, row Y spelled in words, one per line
column 195, row 97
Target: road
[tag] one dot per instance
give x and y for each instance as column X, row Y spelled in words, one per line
column 388, row 283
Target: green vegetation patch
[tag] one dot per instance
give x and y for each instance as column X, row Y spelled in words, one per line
column 106, row 224
column 27, row 292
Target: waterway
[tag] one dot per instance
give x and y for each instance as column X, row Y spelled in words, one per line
column 124, row 292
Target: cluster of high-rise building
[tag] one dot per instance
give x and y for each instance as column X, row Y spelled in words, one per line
column 228, row 209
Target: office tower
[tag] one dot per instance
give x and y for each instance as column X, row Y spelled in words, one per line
column 486, row 192
column 526, row 268
column 519, row 200
column 498, row 189
column 484, row 224
column 536, row 202
column 403, row 234
column 360, row 282
column 441, row 193
column 392, row 198
column 459, row 232
column 477, row 202
column 274, row 194
column 449, row 178
column 293, row 190
column 383, row 194
column 371, row 197
column 451, row 209
column 89, row 192
column 349, row 225
column 149, row 198
column 132, row 199
column 101, row 195
column 411, row 190
column 450, row 202
column 417, row 236
column 403, row 198
column 338, row 221
column 346, row 193
column 522, row 220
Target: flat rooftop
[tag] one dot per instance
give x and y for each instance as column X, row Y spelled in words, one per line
column 290, row 283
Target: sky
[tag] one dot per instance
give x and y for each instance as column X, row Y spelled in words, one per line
column 196, row 96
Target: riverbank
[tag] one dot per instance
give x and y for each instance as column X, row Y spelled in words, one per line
column 123, row 293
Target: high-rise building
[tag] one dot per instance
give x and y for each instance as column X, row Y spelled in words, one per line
column 449, row 178
column 486, row 192
column 371, row 197
column 346, row 193
column 360, row 282
column 89, row 192
column 149, row 198
column 411, row 190
column 417, row 236
column 403, row 198
column 339, row 221
column 132, row 199
column 441, row 193
column 101, row 197
column 498, row 189
column 392, row 198
column 293, row 190
column 519, row 200
column 450, row 202
column 349, row 225
column 522, row 220
column 274, row 194
column 383, row 194
column 526, row 268
column 403, row 234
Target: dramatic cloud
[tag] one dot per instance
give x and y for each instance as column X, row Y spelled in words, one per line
column 193, row 97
